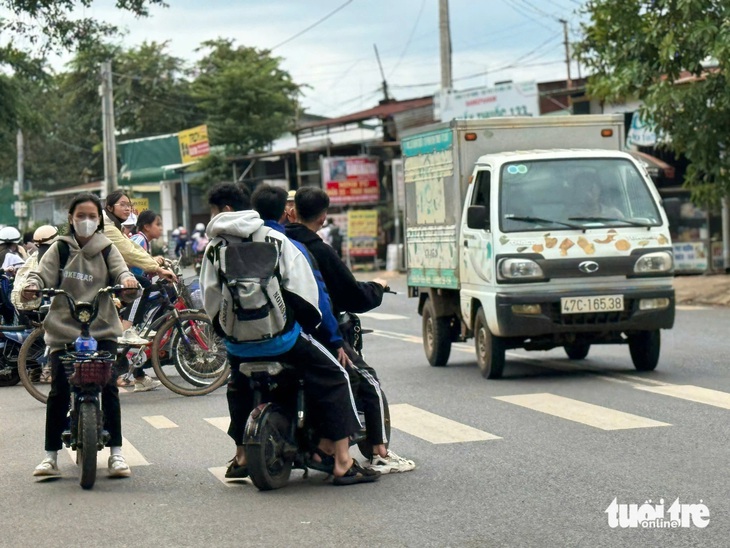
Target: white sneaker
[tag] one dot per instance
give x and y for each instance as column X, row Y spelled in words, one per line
column 145, row 384
column 390, row 463
column 47, row 468
column 132, row 338
column 118, row 467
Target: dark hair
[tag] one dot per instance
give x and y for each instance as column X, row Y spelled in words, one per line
column 80, row 199
column 269, row 201
column 28, row 236
column 237, row 196
column 147, row 217
column 114, row 196
column 311, row 202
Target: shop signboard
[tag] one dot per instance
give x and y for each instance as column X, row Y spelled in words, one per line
column 194, row 144
column 362, row 232
column 508, row 99
column 351, row 180
column 690, row 257
column 139, row 205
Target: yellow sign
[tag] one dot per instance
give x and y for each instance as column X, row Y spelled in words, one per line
column 193, row 144
column 139, row 205
column 362, row 232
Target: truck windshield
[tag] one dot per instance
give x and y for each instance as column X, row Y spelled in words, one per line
column 574, row 192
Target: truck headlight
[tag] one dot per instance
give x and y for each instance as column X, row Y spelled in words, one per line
column 520, row 269
column 654, row 263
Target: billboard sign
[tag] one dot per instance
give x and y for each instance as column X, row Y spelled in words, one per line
column 362, row 232
column 194, row 144
column 351, row 180
column 508, row 99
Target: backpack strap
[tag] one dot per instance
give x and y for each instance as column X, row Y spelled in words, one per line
column 64, row 252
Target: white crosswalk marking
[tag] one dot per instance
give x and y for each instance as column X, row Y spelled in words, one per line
column 160, row 422
column 382, row 316
column 582, row 412
column 219, row 422
column 220, row 474
column 691, row 393
column 433, row 428
column 131, row 455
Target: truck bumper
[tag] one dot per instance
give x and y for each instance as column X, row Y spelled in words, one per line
column 552, row 321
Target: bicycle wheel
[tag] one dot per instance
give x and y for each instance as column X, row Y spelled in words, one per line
column 197, row 324
column 32, row 360
column 87, row 448
column 200, row 356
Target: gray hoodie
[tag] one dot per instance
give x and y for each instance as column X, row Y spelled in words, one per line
column 84, row 274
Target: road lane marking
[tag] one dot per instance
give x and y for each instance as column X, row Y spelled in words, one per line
column 691, row 307
column 582, row 412
column 160, row 422
column 131, row 455
column 219, row 422
column 382, row 316
column 397, row 336
column 432, row 427
column 689, row 392
column 219, row 472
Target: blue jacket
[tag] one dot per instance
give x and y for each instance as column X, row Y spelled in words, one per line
column 328, row 331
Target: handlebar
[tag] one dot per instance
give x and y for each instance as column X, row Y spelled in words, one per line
column 82, row 311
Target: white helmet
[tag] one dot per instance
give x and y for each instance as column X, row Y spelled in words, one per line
column 45, row 234
column 200, row 227
column 10, row 235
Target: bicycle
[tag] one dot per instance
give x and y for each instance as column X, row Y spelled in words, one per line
column 186, row 354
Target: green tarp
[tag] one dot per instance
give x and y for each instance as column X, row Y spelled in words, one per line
column 144, row 160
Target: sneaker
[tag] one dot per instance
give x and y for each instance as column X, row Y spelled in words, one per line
column 390, row 463
column 145, row 384
column 118, row 467
column 235, row 470
column 47, row 468
column 131, row 337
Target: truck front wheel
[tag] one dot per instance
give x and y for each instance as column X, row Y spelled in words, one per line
column 436, row 336
column 490, row 349
column 644, row 347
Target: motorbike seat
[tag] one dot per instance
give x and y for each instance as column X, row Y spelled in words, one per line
column 272, row 368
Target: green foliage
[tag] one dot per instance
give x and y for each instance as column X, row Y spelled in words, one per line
column 655, row 50
column 248, row 99
column 213, row 169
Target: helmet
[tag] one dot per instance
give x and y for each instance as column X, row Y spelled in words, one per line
column 130, row 221
column 200, row 227
column 183, row 231
column 9, row 235
column 176, row 232
column 45, row 234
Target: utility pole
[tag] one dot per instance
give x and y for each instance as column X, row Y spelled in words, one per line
column 109, row 130
column 567, row 51
column 19, row 205
column 445, row 40
column 382, row 74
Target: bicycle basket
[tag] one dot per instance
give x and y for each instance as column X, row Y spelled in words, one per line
column 96, row 370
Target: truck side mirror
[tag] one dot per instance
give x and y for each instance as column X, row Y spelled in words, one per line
column 477, row 217
column 672, row 207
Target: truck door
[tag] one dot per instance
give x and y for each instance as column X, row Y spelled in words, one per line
column 477, row 245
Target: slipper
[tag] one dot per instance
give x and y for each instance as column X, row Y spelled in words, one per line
column 235, row 470
column 326, row 465
column 356, row 474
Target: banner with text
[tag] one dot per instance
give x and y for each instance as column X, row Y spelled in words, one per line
column 508, row 99
column 194, row 144
column 351, row 180
column 362, row 233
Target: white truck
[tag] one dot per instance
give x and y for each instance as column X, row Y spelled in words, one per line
column 535, row 233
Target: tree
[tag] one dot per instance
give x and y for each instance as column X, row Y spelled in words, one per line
column 641, row 48
column 248, row 100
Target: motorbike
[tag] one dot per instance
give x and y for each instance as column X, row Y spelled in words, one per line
column 88, row 370
column 279, row 435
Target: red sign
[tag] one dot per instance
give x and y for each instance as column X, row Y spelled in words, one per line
column 351, row 180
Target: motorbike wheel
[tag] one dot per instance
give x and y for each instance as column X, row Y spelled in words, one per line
column 29, row 357
column 87, row 449
column 268, row 465
column 365, row 447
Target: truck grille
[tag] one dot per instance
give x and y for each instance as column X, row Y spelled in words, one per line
column 593, row 318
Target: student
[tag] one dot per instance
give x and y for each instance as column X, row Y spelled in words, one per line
column 86, row 271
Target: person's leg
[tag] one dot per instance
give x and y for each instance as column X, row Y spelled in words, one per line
column 371, row 400
column 57, row 408
column 240, row 405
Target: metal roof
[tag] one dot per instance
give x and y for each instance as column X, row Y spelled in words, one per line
column 383, row 110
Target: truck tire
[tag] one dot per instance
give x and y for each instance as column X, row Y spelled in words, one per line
column 490, row 349
column 577, row 351
column 436, row 336
column 644, row 347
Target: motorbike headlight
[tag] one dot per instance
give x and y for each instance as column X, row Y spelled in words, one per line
column 520, row 269
column 654, row 263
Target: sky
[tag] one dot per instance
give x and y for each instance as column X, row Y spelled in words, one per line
column 492, row 41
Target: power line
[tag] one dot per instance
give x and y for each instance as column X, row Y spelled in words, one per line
column 410, row 37
column 310, row 27
column 519, row 9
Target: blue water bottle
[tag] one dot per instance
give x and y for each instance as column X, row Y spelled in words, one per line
column 85, row 344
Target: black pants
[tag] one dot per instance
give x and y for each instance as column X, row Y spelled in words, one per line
column 59, row 400
column 367, row 390
column 326, row 385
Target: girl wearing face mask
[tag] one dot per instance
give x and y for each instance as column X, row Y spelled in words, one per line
column 85, row 272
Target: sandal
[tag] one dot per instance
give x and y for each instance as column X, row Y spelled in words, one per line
column 124, row 382
column 356, row 474
column 326, row 465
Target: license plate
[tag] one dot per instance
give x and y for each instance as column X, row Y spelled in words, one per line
column 586, row 305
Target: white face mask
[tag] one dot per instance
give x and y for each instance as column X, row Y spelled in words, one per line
column 86, row 228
